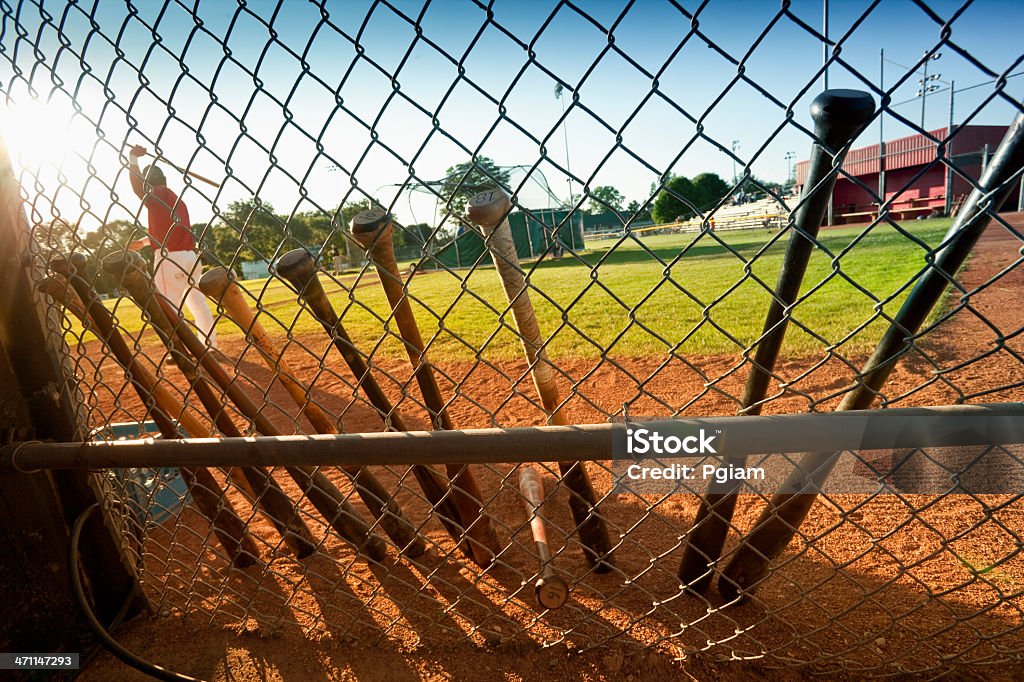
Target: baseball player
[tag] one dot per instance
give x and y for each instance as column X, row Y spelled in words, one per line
column 178, row 267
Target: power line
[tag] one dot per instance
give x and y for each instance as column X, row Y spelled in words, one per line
column 969, row 87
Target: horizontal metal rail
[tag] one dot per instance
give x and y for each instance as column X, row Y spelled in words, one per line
column 917, row 427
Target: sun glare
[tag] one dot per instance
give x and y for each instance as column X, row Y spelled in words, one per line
column 38, row 135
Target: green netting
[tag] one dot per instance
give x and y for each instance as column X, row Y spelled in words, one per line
column 533, row 233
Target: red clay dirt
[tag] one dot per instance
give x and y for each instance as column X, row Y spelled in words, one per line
column 851, row 598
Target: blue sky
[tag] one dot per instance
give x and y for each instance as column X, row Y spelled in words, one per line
column 395, row 82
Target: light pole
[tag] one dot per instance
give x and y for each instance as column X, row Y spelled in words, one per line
column 565, row 133
column 926, row 86
column 735, row 147
column 949, row 151
column 789, row 170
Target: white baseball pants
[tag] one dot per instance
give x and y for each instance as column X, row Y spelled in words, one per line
column 175, row 278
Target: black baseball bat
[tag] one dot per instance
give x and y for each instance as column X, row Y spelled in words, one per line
column 839, row 116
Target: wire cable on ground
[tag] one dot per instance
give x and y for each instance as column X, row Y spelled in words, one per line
column 97, row 629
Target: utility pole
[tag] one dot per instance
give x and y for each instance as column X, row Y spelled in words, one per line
column 881, row 132
column 824, row 44
column 565, row 134
column 927, row 87
column 735, row 146
column 950, row 141
column 789, row 170
column 830, row 214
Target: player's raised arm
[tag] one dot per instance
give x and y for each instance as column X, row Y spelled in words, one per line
column 135, row 173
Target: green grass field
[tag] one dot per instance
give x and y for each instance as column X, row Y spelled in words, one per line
column 619, row 301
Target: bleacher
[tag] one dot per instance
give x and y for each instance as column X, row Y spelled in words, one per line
column 766, row 214
column 899, row 208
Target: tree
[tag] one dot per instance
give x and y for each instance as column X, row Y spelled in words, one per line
column 59, row 236
column 256, row 226
column 313, row 227
column 755, row 188
column 670, row 205
column 349, row 211
column 640, row 212
column 464, row 180
column 110, row 238
column 709, row 189
column 414, row 235
column 220, row 244
column 606, row 198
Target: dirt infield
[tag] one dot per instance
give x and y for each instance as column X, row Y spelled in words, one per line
column 853, row 596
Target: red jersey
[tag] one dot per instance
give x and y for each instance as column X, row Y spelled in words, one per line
column 173, row 231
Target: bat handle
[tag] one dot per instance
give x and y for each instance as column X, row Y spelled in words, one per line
column 551, row 590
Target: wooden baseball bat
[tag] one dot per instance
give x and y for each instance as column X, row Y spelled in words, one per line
column 551, row 590
column 219, row 285
column 489, row 210
column 328, row 500
column 256, row 482
column 839, row 116
column 78, row 296
column 185, row 171
column 782, row 518
column 298, row 269
column 372, row 229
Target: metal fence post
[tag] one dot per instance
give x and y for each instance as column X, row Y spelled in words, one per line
column 38, row 401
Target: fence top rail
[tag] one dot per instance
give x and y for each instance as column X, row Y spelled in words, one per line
column 955, row 425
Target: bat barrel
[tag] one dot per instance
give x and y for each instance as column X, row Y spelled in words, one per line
column 839, row 116
column 985, row 200
column 321, row 492
column 298, row 268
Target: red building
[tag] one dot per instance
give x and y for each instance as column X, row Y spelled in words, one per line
column 916, row 184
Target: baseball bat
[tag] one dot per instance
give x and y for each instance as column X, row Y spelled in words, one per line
column 372, row 229
column 185, row 171
column 782, row 518
column 219, row 285
column 228, row 527
column 256, row 482
column 327, row 499
column 551, row 590
column 298, row 269
column 489, row 209
column 839, row 116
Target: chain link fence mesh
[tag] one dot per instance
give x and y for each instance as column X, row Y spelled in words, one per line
column 638, row 316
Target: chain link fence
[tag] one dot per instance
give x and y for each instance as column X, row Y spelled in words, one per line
column 298, row 150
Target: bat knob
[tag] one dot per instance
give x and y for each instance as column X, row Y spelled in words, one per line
column 296, row 265
column 368, row 226
column 215, row 282
column 370, row 220
column 552, row 592
column 65, row 265
column 839, row 115
column 120, row 262
column 487, row 208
